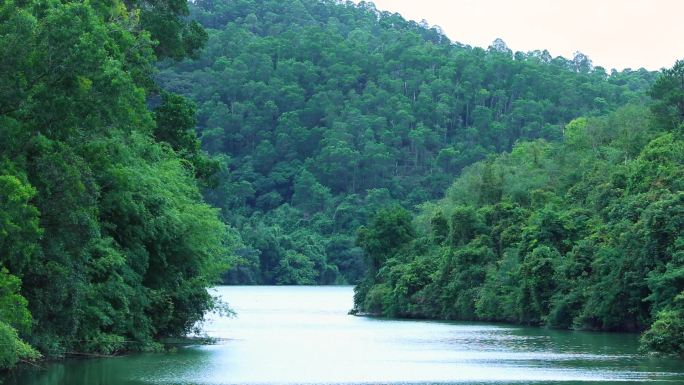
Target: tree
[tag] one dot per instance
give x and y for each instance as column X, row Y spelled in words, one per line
column 105, row 243
column 15, row 318
column 175, row 124
column 585, row 233
column 537, row 284
column 19, row 223
column 365, row 101
column 164, row 20
column 668, row 91
column 389, row 230
column 295, row 269
column 309, row 195
column 666, row 335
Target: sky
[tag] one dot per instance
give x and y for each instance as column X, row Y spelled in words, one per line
column 613, row 33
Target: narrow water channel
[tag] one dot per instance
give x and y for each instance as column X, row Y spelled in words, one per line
column 303, row 335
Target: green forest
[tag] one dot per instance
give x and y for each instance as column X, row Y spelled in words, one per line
column 585, row 233
column 322, row 113
column 152, row 149
column 106, row 244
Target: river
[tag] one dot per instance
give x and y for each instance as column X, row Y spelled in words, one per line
column 303, row 335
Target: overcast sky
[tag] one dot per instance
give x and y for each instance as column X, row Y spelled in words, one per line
column 613, row 33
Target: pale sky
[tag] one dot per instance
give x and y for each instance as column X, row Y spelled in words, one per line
column 613, row 33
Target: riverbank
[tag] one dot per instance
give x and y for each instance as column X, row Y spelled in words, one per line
column 291, row 335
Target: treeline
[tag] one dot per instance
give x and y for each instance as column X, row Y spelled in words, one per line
column 324, row 112
column 105, row 243
column 586, row 232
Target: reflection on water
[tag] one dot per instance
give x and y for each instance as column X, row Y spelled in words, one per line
column 293, row 335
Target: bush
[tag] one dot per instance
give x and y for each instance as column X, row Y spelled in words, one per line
column 666, row 335
column 376, row 299
column 12, row 348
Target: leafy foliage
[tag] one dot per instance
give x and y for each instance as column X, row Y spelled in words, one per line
column 105, row 244
column 585, row 233
column 322, row 119
column 328, row 111
column 666, row 335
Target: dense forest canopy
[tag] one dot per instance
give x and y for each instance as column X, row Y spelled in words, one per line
column 323, row 112
column 105, row 242
column 325, row 134
column 586, row 233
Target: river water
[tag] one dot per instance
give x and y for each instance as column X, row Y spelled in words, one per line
column 303, row 335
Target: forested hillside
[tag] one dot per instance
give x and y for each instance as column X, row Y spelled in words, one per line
column 323, row 112
column 308, row 125
column 105, row 242
column 586, row 232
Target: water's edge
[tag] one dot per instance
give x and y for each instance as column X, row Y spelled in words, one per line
column 294, row 335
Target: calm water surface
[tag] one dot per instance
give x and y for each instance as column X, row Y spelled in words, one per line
column 303, row 335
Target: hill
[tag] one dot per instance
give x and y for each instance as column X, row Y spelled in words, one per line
column 587, row 233
column 324, row 112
